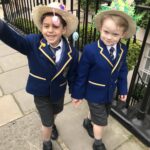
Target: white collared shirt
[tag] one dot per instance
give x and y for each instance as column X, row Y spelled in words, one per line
column 115, row 51
column 58, row 52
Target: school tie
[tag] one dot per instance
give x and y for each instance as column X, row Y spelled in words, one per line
column 55, row 49
column 111, row 52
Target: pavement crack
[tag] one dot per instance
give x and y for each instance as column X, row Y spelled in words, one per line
column 62, row 144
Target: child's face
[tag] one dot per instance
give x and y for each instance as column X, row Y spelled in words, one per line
column 51, row 32
column 110, row 32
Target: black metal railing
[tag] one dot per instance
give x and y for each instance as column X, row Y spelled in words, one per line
column 135, row 113
column 137, row 107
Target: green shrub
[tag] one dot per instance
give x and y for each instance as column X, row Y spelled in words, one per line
column 143, row 22
column 133, row 53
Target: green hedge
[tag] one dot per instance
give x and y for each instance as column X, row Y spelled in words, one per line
column 133, row 53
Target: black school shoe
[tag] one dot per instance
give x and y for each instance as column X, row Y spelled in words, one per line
column 47, row 145
column 89, row 127
column 54, row 135
column 99, row 146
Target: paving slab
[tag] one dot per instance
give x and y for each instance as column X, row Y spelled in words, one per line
column 6, row 50
column 9, row 110
column 25, row 101
column 115, row 134
column 132, row 144
column 14, row 80
column 23, row 134
column 13, row 61
column 69, row 124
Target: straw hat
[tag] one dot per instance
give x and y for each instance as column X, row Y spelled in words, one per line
column 58, row 8
column 116, row 9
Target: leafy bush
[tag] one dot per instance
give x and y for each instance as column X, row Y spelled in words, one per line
column 133, row 53
column 146, row 15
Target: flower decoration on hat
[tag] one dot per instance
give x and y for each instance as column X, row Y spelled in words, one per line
column 124, row 6
column 56, row 19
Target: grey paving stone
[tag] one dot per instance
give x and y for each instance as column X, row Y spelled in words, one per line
column 23, row 134
column 69, row 124
column 6, row 50
column 14, row 80
column 9, row 111
column 115, row 134
column 13, row 61
column 25, row 101
column 132, row 144
column 70, row 121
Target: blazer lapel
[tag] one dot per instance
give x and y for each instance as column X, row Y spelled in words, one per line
column 46, row 52
column 66, row 57
column 104, row 52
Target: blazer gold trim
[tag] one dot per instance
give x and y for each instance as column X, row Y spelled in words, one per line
column 101, row 52
column 118, row 59
column 40, row 48
column 98, row 84
column 38, row 77
column 69, row 54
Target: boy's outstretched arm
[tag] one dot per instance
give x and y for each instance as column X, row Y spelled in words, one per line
column 10, row 37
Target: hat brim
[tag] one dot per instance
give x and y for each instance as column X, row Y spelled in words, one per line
column 70, row 19
column 132, row 25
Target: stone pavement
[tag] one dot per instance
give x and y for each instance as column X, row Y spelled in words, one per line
column 20, row 123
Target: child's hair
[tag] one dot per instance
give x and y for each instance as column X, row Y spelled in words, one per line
column 51, row 14
column 119, row 21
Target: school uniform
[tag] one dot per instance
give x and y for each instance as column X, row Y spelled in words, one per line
column 46, row 77
column 98, row 75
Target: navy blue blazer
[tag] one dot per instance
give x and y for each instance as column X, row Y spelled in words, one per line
column 46, row 78
column 98, row 76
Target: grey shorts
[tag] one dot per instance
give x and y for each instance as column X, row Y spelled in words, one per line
column 99, row 113
column 48, row 110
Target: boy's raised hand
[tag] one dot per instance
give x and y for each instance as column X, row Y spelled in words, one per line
column 123, row 97
column 76, row 102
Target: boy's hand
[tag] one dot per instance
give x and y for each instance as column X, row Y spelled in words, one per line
column 123, row 97
column 76, row 102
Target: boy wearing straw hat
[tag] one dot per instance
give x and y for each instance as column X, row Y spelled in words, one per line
column 52, row 61
column 103, row 67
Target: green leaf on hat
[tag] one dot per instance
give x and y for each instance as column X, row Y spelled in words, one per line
column 122, row 5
